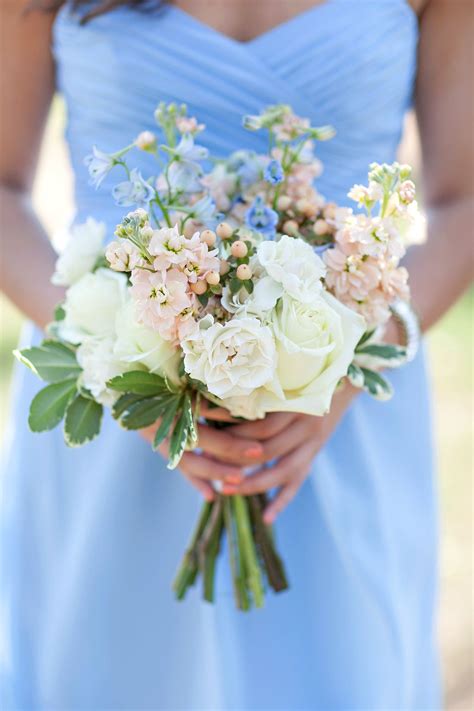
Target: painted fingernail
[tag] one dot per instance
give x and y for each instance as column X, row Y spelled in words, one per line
column 233, row 479
column 253, row 452
column 229, row 489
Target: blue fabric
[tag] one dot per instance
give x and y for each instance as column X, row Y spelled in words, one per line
column 91, row 537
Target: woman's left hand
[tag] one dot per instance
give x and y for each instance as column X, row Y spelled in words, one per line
column 294, row 440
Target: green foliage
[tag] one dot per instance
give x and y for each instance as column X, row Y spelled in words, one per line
column 146, row 412
column 376, row 385
column 386, row 351
column 52, row 361
column 48, row 407
column 167, row 421
column 82, row 423
column 140, row 382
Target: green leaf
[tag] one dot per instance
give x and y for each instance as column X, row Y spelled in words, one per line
column 48, row 407
column 82, row 423
column 365, row 337
column 52, row 361
column 235, row 285
column 355, row 375
column 382, row 350
column 376, row 385
column 59, row 313
column 124, row 403
column 146, row 412
column 184, row 433
column 167, row 421
column 139, row 382
column 248, row 283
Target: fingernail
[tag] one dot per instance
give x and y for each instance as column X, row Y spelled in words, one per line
column 229, row 490
column 253, row 452
column 233, row 479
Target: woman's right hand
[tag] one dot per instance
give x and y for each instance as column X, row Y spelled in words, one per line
column 223, row 457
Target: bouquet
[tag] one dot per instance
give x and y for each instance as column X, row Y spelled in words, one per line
column 231, row 280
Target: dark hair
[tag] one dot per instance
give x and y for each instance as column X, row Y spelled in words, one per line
column 93, row 9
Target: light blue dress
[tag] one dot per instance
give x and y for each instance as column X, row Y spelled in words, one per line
column 91, row 537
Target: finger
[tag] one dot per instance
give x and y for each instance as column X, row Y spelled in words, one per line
column 286, row 494
column 288, row 468
column 227, row 448
column 219, row 414
column 202, row 486
column 268, row 427
column 202, row 467
column 300, row 431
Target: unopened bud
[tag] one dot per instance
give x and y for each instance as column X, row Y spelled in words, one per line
column 224, row 230
column 283, row 203
column 321, row 227
column 213, row 278
column 243, row 272
column 200, row 287
column 208, row 237
column 290, row 227
column 239, row 249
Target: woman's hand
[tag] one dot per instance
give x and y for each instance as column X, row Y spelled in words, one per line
column 295, row 440
column 291, row 438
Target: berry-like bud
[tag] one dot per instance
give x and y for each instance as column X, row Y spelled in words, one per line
column 321, row 227
column 200, row 287
column 329, row 210
column 290, row 227
column 213, row 278
column 243, row 272
column 224, row 230
column 307, row 208
column 224, row 267
column 239, row 249
column 209, row 237
column 146, row 141
column 283, row 203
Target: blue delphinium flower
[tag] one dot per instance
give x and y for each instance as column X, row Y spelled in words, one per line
column 247, row 166
column 187, row 150
column 185, row 176
column 135, row 191
column 273, row 172
column 99, row 165
column 261, row 218
column 322, row 248
column 204, row 210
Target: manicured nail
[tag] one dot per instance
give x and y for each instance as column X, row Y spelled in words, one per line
column 229, row 490
column 253, row 452
column 233, row 479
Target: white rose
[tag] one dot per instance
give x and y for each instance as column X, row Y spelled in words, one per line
column 315, row 346
column 233, row 358
column 91, row 305
column 139, row 344
column 294, row 265
column 246, row 406
column 85, row 246
column 99, row 364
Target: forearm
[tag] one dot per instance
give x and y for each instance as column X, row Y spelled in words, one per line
column 442, row 268
column 27, row 258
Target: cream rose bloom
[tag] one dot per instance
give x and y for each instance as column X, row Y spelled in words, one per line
column 315, row 345
column 233, row 358
column 85, row 246
column 293, row 265
column 91, row 305
column 99, row 364
column 140, row 345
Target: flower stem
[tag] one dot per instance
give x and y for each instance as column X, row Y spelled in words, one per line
column 263, row 537
column 248, row 552
column 240, row 591
column 208, row 548
column 188, row 568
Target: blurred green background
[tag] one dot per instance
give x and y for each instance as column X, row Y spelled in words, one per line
column 451, row 357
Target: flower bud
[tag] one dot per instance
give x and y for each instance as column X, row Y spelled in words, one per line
column 213, row 278
column 208, row 237
column 290, row 227
column 146, row 141
column 189, row 228
column 243, row 272
column 239, row 249
column 306, row 207
column 283, row 203
column 329, row 210
column 321, row 227
column 224, row 230
column 199, row 287
column 224, row 267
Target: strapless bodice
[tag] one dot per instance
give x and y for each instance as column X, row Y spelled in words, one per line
column 349, row 63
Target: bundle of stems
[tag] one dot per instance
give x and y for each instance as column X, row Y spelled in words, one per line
column 253, row 557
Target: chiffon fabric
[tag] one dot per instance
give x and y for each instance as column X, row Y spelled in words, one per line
column 91, row 537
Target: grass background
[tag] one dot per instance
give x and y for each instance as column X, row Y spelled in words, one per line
column 451, row 357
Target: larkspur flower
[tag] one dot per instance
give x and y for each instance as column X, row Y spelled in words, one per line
column 99, row 165
column 261, row 218
column 204, row 210
column 185, row 176
column 187, row 150
column 247, row 166
column 273, row 172
column 135, row 191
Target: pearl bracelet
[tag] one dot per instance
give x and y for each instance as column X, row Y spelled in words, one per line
column 409, row 322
